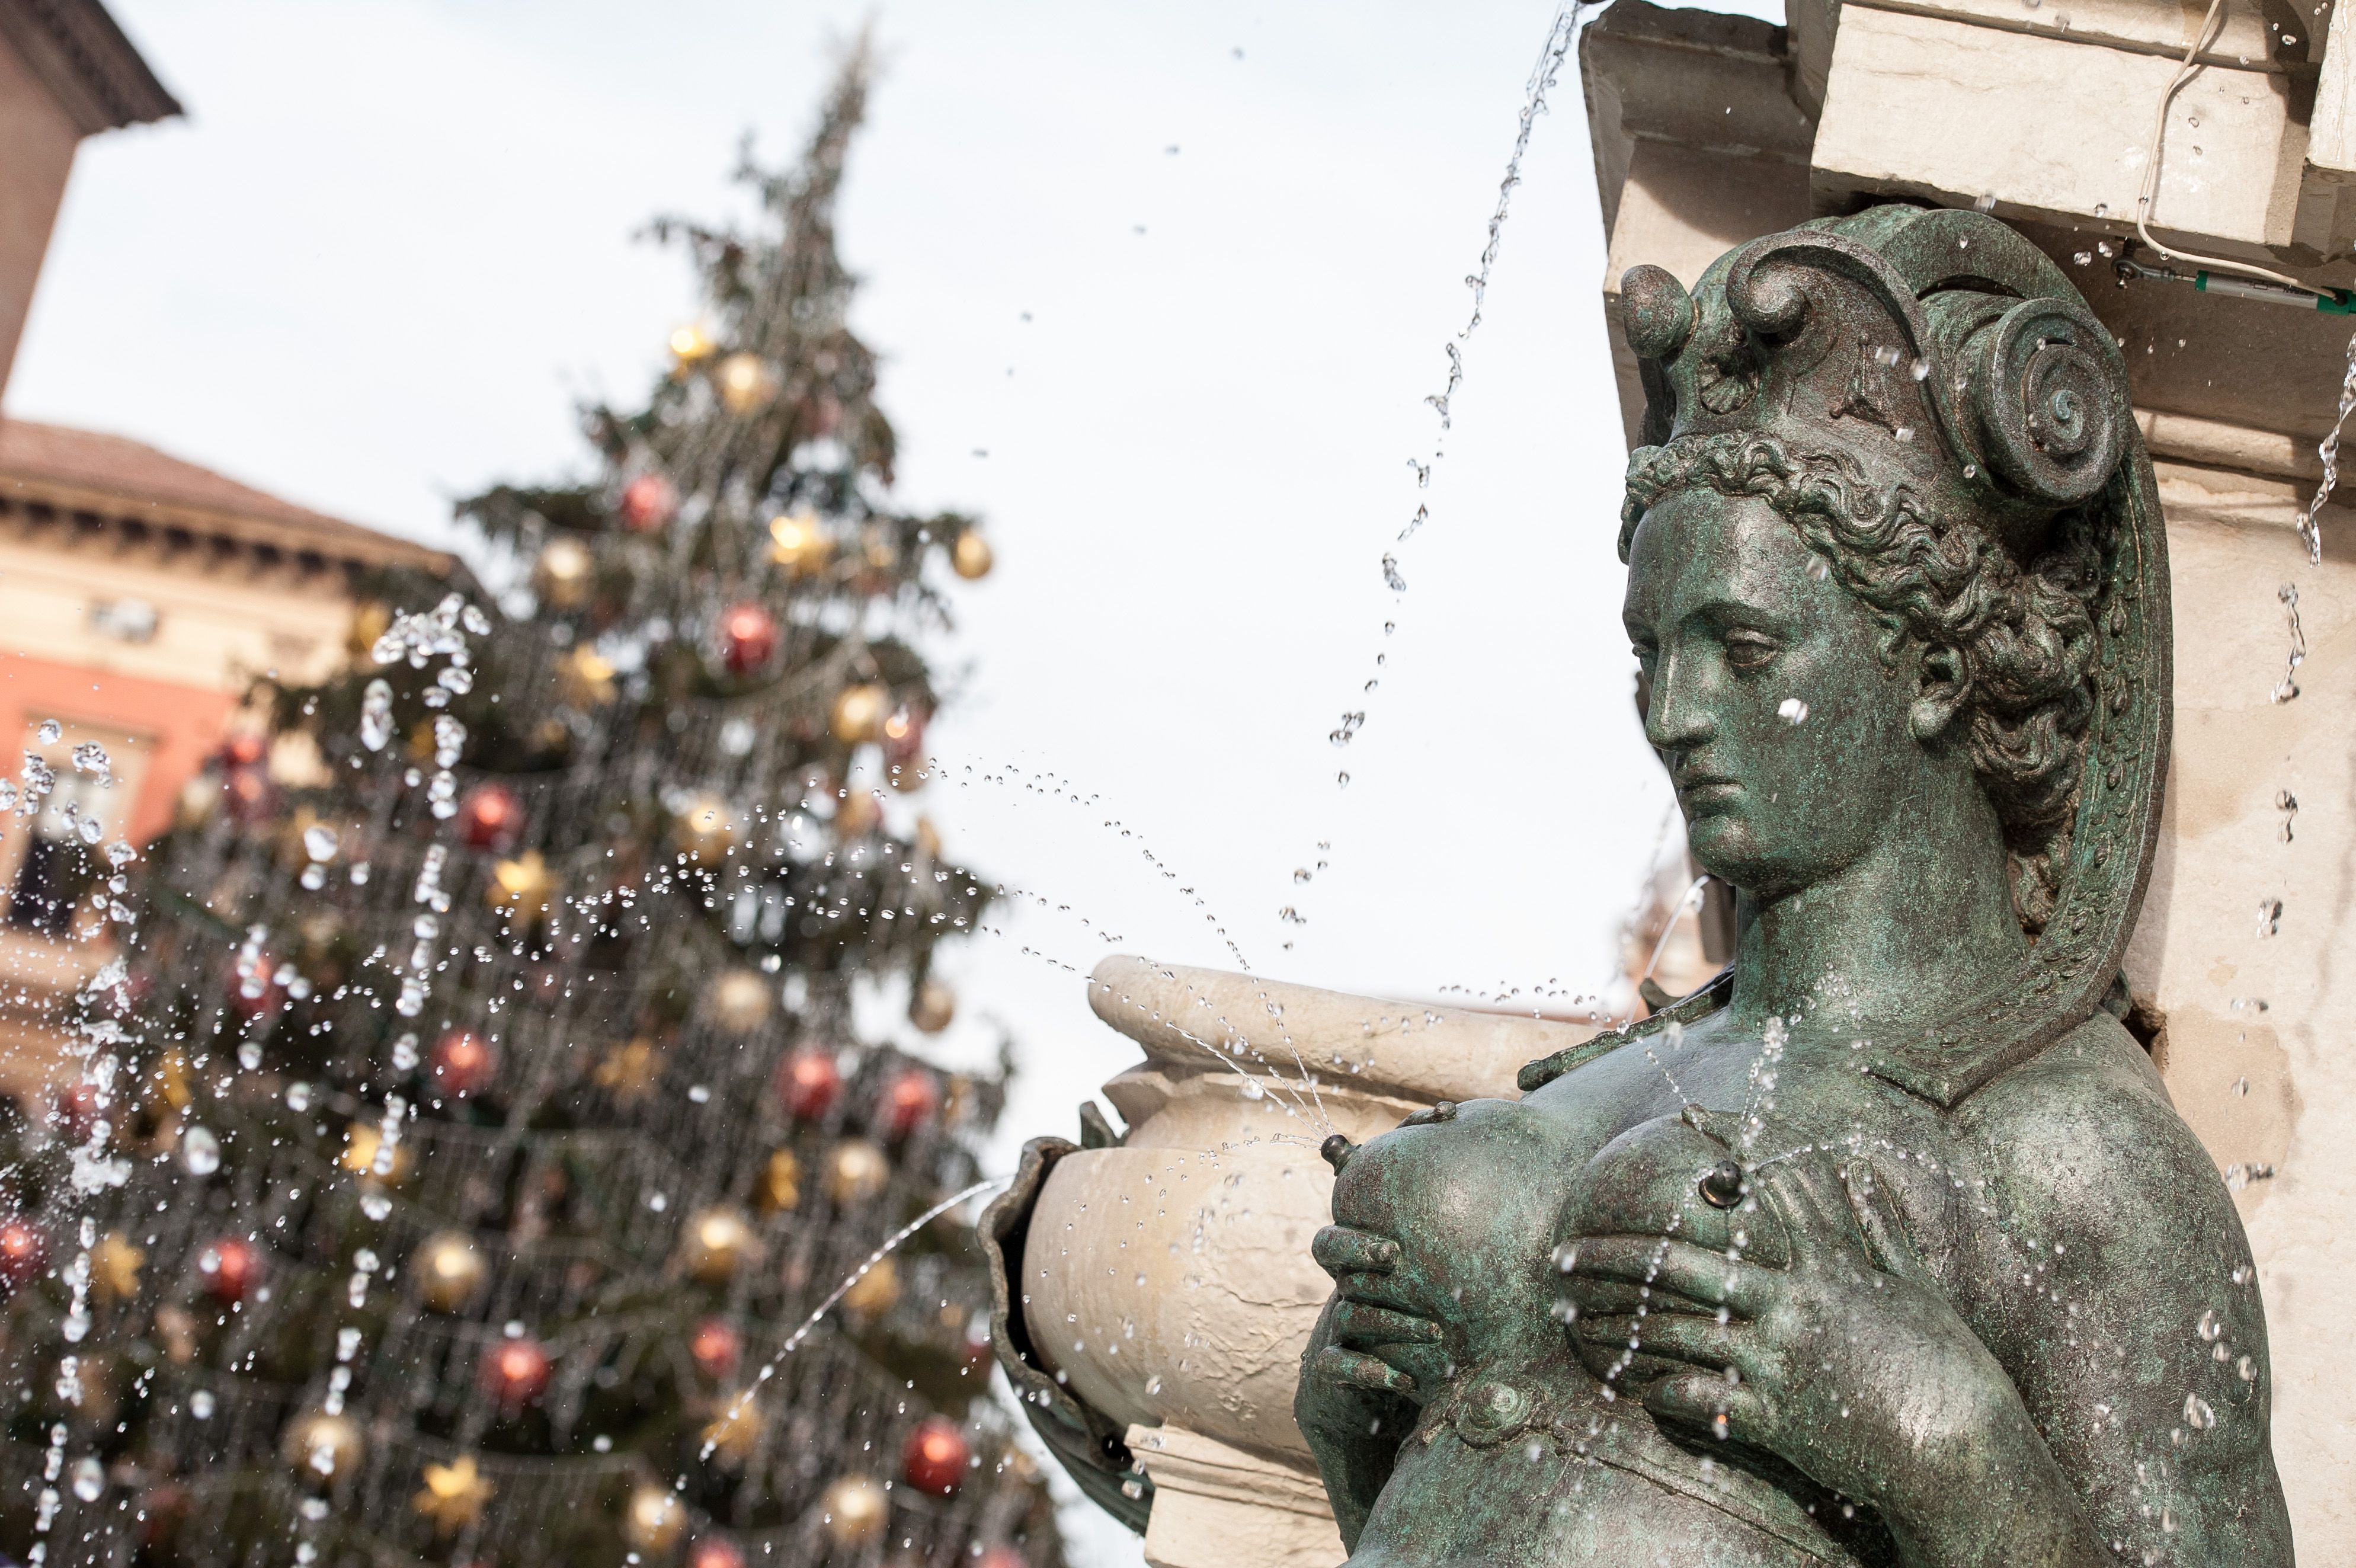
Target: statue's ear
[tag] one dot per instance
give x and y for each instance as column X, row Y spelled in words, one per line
column 1940, row 685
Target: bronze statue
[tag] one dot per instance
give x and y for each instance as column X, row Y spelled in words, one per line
column 1887, row 1247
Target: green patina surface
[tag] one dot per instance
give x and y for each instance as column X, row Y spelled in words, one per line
column 1888, row 1247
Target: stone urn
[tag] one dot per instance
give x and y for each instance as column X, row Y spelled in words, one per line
column 1156, row 1288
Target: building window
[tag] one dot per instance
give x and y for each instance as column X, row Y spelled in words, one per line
column 125, row 621
column 57, row 868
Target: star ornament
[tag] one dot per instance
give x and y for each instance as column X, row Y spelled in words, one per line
column 524, row 882
column 453, row 1495
column 629, row 1070
column 114, row 1267
column 586, row 677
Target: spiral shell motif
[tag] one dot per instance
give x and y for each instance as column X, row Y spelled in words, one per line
column 2051, row 407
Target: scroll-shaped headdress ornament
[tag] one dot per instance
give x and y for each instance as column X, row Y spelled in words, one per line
column 1938, row 348
column 1945, row 354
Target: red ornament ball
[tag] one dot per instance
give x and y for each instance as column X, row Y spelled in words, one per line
column 909, row 1102
column 490, row 817
column 231, row 1268
column 809, row 1083
column 463, row 1063
column 1001, row 1557
column 936, row 1457
column 516, row 1372
column 649, row 502
column 716, row 1347
column 75, row 1112
column 714, row 1552
column 748, row 636
column 24, row 1248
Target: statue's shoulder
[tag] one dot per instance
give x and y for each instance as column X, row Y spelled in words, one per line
column 2083, row 1138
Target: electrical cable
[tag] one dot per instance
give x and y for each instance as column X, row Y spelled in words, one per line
column 2145, row 202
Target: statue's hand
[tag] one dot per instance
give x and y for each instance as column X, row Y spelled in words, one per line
column 1379, row 1338
column 1850, row 1363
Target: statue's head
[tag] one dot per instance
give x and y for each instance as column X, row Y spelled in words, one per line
column 1872, row 539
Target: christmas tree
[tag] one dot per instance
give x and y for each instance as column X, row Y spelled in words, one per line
column 477, row 1119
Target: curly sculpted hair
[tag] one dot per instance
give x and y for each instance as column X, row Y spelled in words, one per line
column 2021, row 638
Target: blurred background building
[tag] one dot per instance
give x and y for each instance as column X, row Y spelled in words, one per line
column 140, row 595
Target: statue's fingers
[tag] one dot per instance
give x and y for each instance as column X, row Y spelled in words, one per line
column 1666, row 1263
column 1708, row 1400
column 1885, row 1230
column 1360, row 1324
column 1339, row 1250
column 1672, row 1336
column 1363, row 1371
column 1807, row 1198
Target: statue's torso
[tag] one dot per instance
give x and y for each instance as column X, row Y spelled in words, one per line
column 1522, row 1454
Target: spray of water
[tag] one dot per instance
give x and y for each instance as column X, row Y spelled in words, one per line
column 1561, row 35
column 892, row 1243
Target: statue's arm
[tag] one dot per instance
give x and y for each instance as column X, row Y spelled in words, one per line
column 2115, row 1285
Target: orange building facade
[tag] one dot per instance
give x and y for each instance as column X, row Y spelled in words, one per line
column 140, row 596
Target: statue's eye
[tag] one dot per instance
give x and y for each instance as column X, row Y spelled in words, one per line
column 1748, row 650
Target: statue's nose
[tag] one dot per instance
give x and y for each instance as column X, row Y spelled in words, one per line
column 1337, row 1151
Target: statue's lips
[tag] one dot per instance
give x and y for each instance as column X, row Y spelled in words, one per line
column 1706, row 790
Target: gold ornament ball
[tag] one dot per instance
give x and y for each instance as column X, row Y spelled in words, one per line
column 856, row 1172
column 740, row 1001
column 364, row 1155
column 855, row 1509
column 654, row 1520
column 717, row 1243
column 323, row 1446
column 450, row 1269
column 706, row 828
column 970, row 555
column 799, row 545
column 859, row 713
column 932, row 1007
column 745, row 383
column 564, row 572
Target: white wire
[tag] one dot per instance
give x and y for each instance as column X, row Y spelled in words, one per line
column 2150, row 196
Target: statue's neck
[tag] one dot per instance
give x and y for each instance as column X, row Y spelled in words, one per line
column 1911, row 931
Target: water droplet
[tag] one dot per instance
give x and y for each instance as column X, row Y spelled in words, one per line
column 2199, row 1415
column 1341, row 780
column 51, row 732
column 1818, row 568
column 1391, row 575
column 201, row 1151
column 2210, row 1325
column 200, row 1404
column 1292, row 917
column 1349, row 727
column 1301, row 874
column 319, row 842
column 1252, row 1089
column 1792, row 711
column 90, row 1479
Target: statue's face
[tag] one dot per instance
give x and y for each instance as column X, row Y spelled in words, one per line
column 1734, row 632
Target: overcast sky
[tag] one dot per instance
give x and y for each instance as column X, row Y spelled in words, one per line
column 1161, row 290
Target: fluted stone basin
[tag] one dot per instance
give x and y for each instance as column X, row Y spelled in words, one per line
column 1168, row 1280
